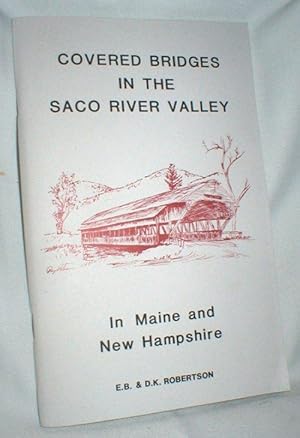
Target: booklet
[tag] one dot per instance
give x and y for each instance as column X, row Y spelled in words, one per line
column 146, row 221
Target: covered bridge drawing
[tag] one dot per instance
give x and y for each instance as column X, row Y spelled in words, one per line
column 199, row 211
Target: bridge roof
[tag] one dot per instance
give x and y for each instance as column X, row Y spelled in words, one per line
column 209, row 190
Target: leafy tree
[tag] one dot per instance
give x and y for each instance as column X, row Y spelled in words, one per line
column 64, row 198
column 173, row 179
column 228, row 157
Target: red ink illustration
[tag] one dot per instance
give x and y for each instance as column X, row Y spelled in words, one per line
column 185, row 221
column 227, row 159
column 173, row 179
column 195, row 212
column 64, row 199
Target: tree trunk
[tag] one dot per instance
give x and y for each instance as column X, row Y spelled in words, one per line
column 59, row 227
column 234, row 222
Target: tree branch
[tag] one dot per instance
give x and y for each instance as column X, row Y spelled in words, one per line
column 243, row 192
column 214, row 147
column 232, row 160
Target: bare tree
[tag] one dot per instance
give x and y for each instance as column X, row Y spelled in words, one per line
column 64, row 199
column 229, row 155
column 173, row 179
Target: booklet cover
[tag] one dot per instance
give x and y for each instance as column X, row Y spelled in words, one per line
column 146, row 222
